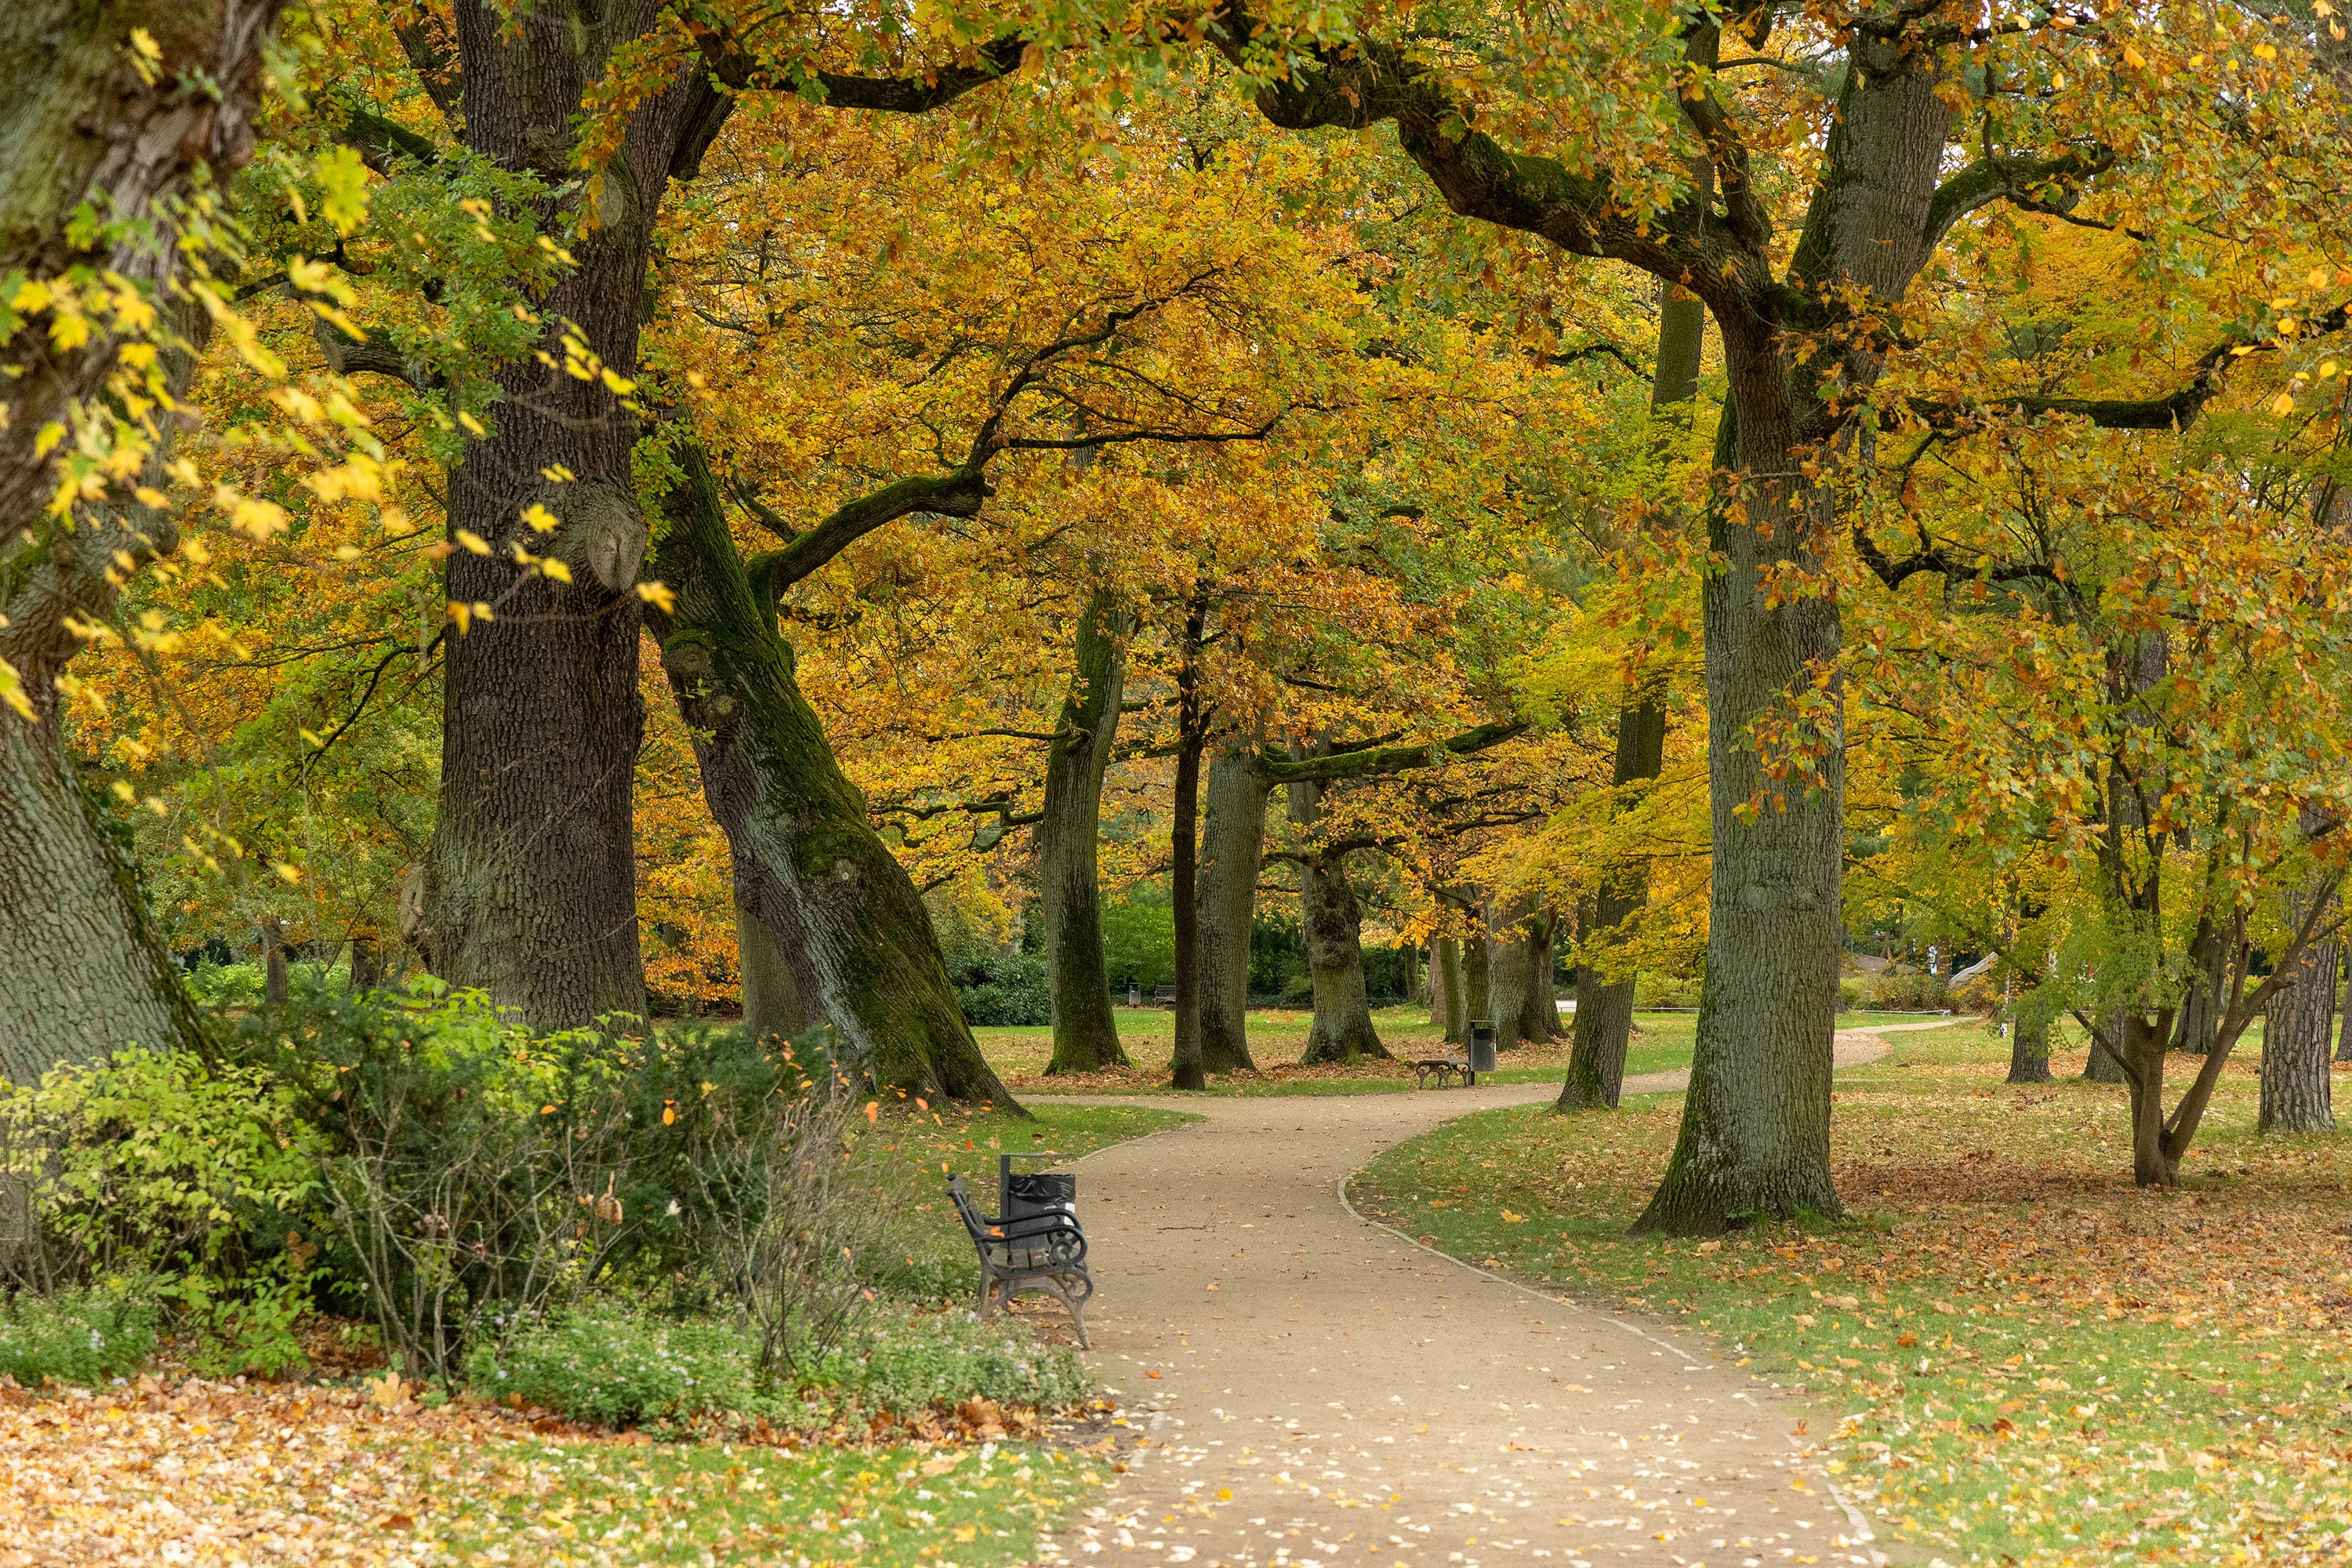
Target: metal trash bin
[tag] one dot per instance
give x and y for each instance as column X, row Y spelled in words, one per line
column 1033, row 1192
column 1482, row 1047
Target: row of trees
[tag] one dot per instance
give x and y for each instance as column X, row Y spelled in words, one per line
column 875, row 440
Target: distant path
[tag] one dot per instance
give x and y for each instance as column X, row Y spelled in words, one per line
column 1330, row 1394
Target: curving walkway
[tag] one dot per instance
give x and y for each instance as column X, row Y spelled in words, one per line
column 1323, row 1393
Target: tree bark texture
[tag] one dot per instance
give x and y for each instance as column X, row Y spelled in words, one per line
column 531, row 887
column 83, row 969
column 2102, row 1066
column 2200, row 1009
column 1539, row 1017
column 1509, row 958
column 273, row 960
column 1333, row 921
column 1451, row 968
column 1755, row 1132
column 1185, row 1068
column 771, row 1010
column 2297, row 1092
column 2029, row 1044
column 1477, row 978
column 1232, row 847
column 1604, row 991
column 856, row 944
column 1085, row 1033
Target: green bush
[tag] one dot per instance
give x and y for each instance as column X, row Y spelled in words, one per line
column 1665, row 991
column 1007, row 988
column 199, row 1179
column 1905, row 991
column 617, row 1368
column 76, row 1336
column 928, row 1360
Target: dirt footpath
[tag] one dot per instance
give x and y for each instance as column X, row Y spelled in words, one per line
column 1323, row 1393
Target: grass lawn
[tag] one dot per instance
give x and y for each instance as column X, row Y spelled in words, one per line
column 2012, row 1354
column 1278, row 1036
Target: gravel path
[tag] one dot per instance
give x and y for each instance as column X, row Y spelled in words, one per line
column 1322, row 1393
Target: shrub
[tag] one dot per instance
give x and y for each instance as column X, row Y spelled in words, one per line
column 76, row 1336
column 929, row 1360
column 617, row 1368
column 1008, row 988
column 1903, row 991
column 1665, row 991
column 198, row 1179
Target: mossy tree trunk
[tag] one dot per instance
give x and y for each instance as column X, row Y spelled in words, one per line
column 1086, row 1031
column 82, row 968
column 1232, row 850
column 856, row 945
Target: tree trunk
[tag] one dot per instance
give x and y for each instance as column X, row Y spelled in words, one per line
column 272, row 932
column 1436, row 984
column 1454, row 968
column 1477, row 979
column 771, row 1010
column 81, row 965
column 1233, row 845
column 1539, row 1018
column 2297, row 1090
column 2102, row 1065
column 1185, row 1068
column 2200, row 1010
column 367, row 964
column 1604, row 991
column 1509, row 960
column 531, row 887
column 856, row 944
column 2144, row 1039
column 2029, row 1043
column 1086, row 1033
column 1333, row 921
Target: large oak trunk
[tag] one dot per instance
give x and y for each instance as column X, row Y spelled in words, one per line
column 2296, row 1092
column 855, row 942
column 531, row 883
column 1232, row 846
column 82, row 970
column 2029, row 1044
column 1085, row 1033
column 2102, row 1065
column 1540, row 1014
column 1512, row 978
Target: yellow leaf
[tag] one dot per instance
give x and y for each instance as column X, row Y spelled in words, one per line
column 463, row 615
column 2283, row 404
column 541, row 521
column 2133, row 57
column 145, row 42
column 473, row 542
column 659, row 595
column 473, row 426
column 285, row 873
column 2266, row 52
column 551, row 567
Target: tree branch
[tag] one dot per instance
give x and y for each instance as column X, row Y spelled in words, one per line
column 1382, row 760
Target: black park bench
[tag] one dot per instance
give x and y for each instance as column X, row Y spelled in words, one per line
column 1028, row 1254
column 1444, row 1069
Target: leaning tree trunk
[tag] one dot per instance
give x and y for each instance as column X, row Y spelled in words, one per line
column 1233, row 846
column 2029, row 1043
column 1333, row 921
column 1086, row 1033
column 856, row 944
column 83, row 130
column 2297, row 1092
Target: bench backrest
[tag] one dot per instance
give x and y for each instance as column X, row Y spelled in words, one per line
column 974, row 1222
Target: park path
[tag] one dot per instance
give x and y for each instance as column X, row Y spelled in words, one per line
column 1321, row 1393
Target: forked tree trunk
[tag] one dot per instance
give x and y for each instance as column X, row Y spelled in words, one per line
column 1232, row 847
column 2029, row 1044
column 1333, row 919
column 2144, row 1040
column 856, row 944
column 2296, row 1092
column 1085, row 1033
column 83, row 969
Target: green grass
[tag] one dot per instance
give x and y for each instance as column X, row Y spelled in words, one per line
column 1278, row 1036
column 605, row 1504
column 2011, row 1356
